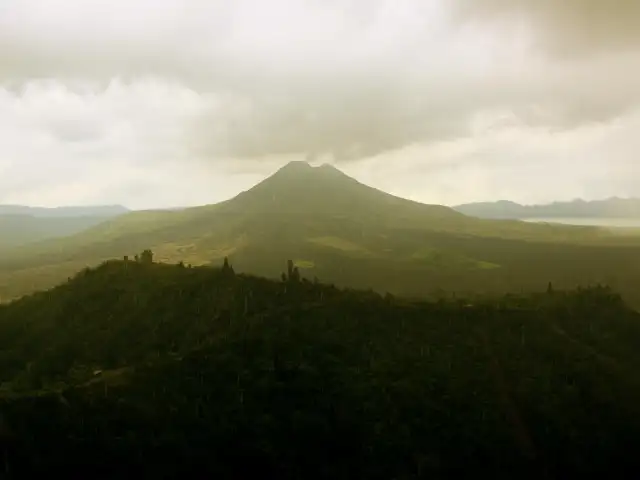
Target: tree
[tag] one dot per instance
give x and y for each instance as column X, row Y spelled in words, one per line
column 295, row 275
column 227, row 269
column 146, row 256
column 289, row 269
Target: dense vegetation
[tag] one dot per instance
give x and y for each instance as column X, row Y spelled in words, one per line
column 167, row 371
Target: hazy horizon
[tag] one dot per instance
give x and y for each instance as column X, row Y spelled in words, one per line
column 181, row 207
column 161, row 206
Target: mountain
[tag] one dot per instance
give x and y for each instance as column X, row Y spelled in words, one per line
column 145, row 370
column 610, row 208
column 21, row 225
column 105, row 211
column 343, row 231
column 502, row 209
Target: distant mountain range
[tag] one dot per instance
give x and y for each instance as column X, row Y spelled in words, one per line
column 57, row 212
column 610, row 208
column 21, row 225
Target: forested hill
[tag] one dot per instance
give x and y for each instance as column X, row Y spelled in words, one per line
column 165, row 371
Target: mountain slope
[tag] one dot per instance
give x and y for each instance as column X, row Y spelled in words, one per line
column 341, row 230
column 609, row 208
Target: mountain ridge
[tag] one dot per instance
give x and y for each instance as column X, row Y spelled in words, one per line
column 612, row 207
column 22, row 225
column 63, row 211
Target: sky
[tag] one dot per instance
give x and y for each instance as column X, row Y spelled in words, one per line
column 156, row 103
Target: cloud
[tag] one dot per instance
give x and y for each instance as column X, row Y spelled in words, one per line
column 348, row 78
column 279, row 77
column 142, row 155
column 562, row 28
column 59, row 144
column 513, row 162
column 140, row 92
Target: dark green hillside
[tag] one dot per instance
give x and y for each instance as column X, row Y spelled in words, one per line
column 341, row 230
column 164, row 371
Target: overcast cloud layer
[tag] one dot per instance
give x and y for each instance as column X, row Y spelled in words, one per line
column 177, row 102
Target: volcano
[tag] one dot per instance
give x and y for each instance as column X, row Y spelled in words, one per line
column 333, row 226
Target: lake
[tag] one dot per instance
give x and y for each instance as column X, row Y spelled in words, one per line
column 596, row 222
